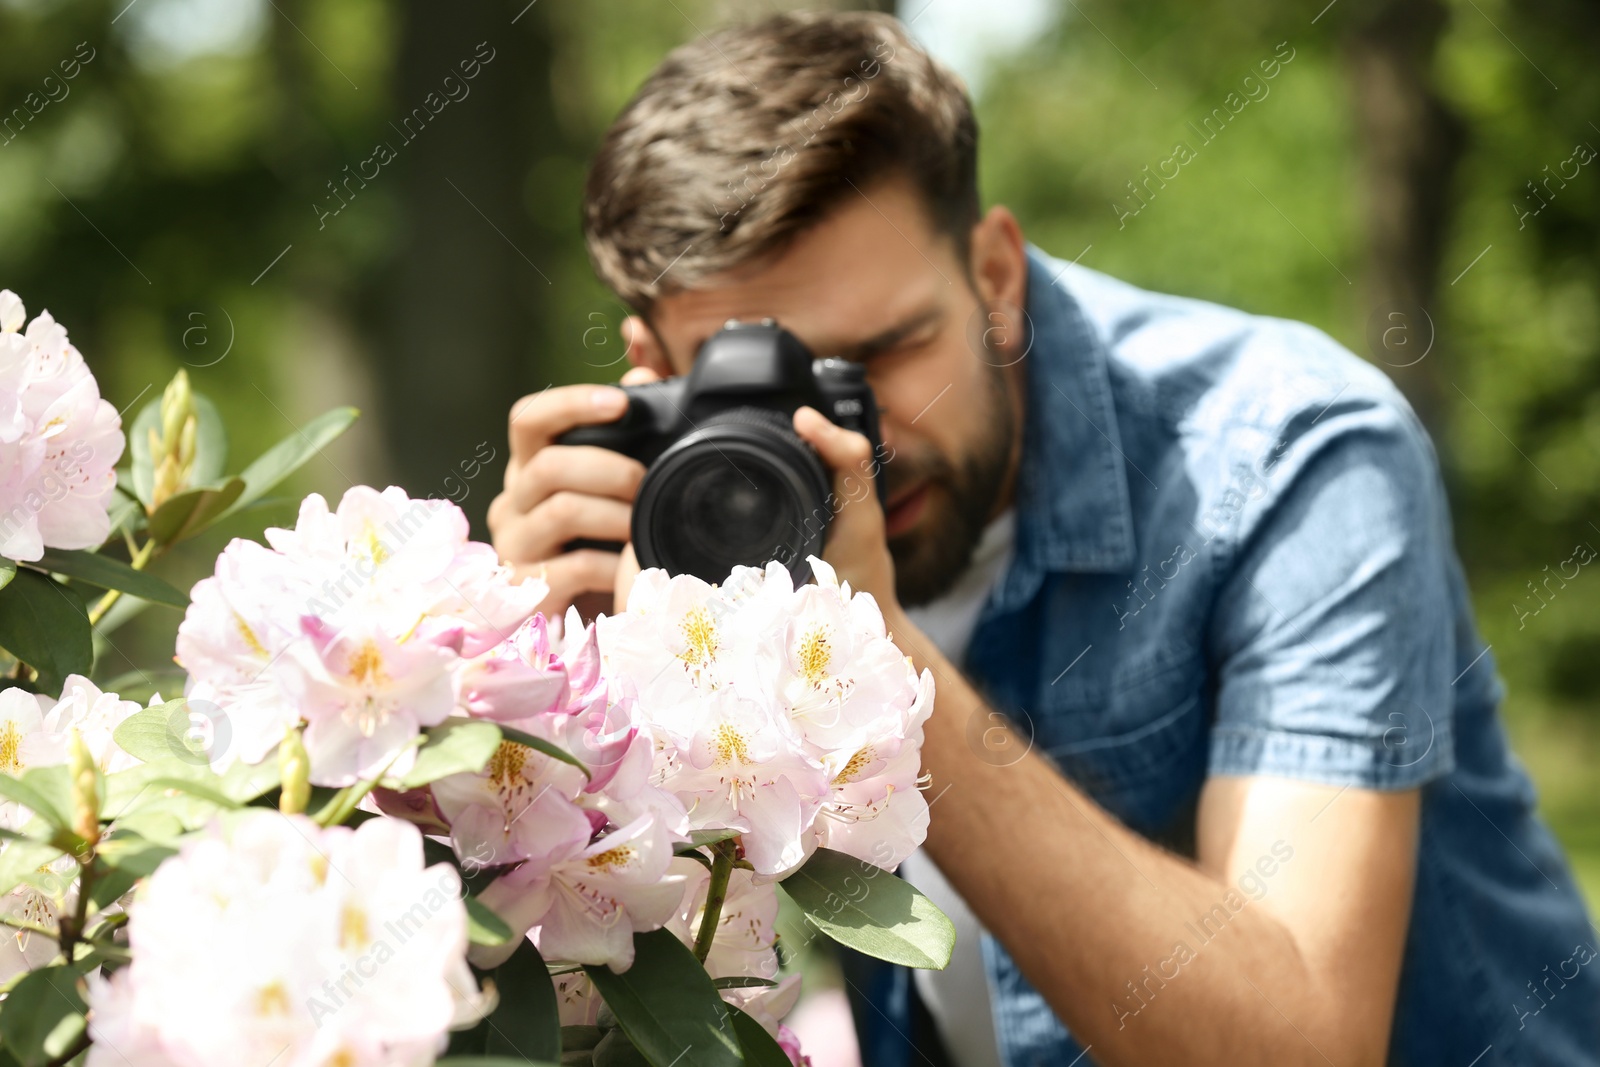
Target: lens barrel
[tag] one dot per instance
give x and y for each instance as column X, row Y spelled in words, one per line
column 741, row 488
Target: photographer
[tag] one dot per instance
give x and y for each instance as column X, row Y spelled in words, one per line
column 1216, row 763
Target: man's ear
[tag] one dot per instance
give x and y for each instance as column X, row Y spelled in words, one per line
column 999, row 259
column 644, row 348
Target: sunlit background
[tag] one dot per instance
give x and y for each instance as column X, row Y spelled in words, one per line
column 1418, row 178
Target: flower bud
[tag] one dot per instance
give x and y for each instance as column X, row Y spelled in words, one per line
column 294, row 766
column 85, row 788
column 172, row 450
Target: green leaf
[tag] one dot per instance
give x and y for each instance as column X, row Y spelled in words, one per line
column 44, row 624
column 203, row 790
column 744, row 982
column 210, row 446
column 191, row 511
column 760, row 1048
column 455, row 746
column 291, row 453
column 8, row 571
column 484, row 927
column 526, row 1024
column 141, row 798
column 488, row 1061
column 161, row 732
column 44, row 1015
column 21, row 862
column 108, row 573
column 667, row 1005
column 870, row 910
column 45, row 791
column 539, row 744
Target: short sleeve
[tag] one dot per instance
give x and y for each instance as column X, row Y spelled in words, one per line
column 1333, row 632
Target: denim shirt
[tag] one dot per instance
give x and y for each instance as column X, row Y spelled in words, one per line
column 1233, row 556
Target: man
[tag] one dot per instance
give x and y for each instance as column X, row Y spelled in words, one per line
column 1215, row 758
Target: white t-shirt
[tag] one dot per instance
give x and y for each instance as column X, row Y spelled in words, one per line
column 958, row 996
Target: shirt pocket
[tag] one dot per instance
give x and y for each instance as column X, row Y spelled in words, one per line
column 1136, row 744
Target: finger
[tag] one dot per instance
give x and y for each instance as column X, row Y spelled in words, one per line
column 848, row 455
column 572, row 574
column 640, row 376
column 584, row 468
column 541, row 533
column 537, row 420
column 627, row 570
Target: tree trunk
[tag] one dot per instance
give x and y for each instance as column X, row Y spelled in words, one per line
column 1410, row 143
column 460, row 308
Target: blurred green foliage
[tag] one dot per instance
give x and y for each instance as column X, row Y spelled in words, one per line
column 165, row 209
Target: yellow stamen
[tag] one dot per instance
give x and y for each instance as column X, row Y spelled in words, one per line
column 730, row 744
column 814, row 654
column 505, row 766
column 366, row 666
column 10, row 748
column 620, row 856
column 700, row 632
column 272, row 1000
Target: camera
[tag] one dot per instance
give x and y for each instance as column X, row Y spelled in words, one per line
column 727, row 480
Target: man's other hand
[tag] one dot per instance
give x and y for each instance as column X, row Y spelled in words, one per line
column 857, row 546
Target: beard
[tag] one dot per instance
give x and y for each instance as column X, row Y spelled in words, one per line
column 961, row 497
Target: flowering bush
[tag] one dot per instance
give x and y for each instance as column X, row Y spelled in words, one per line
column 397, row 814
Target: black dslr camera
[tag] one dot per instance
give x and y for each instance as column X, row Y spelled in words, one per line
column 728, row 481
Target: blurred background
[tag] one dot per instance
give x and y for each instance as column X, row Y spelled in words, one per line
column 194, row 183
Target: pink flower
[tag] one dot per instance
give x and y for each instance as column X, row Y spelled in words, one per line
column 59, row 441
column 369, row 624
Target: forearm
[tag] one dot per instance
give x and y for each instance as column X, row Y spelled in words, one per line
column 1093, row 914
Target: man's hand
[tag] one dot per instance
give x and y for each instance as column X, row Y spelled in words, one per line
column 555, row 493
column 856, row 546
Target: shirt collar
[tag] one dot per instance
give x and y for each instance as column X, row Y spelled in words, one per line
column 1073, row 508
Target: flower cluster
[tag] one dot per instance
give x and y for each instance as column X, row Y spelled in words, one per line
column 270, row 939
column 58, row 440
column 360, row 622
column 755, row 719
column 786, row 714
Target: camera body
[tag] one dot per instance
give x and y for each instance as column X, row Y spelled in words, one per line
column 728, row 481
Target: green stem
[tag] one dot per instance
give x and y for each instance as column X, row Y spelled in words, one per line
column 72, row 929
column 716, row 894
column 140, row 558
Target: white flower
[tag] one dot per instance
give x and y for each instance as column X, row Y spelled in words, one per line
column 268, row 939
column 24, row 950
column 25, row 743
column 96, row 716
column 59, row 441
column 367, row 623
column 586, row 906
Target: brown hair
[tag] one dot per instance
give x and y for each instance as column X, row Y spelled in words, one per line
column 742, row 139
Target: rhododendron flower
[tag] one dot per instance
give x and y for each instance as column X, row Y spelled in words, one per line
column 24, row 950
column 59, row 441
column 586, row 906
column 363, row 622
column 270, row 940
column 96, row 716
column 518, row 808
column 34, row 730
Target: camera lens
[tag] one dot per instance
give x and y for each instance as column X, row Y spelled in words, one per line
column 740, row 489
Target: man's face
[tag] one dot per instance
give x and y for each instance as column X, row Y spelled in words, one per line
column 873, row 282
